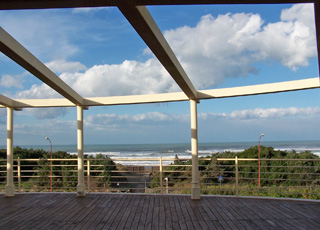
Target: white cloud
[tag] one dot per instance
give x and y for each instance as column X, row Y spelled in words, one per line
column 61, row 65
column 129, row 77
column 88, row 10
column 104, row 121
column 37, row 92
column 209, row 52
column 259, row 113
column 299, row 12
column 9, row 81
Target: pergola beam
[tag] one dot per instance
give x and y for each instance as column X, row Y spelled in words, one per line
column 146, row 27
column 14, row 50
column 6, row 102
column 311, row 83
column 317, row 24
column 49, row 4
column 278, row 87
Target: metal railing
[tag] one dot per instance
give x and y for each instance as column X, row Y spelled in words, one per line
column 298, row 178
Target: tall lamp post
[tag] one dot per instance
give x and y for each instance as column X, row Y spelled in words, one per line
column 259, row 156
column 47, row 138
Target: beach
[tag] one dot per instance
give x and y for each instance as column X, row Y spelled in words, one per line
column 140, row 152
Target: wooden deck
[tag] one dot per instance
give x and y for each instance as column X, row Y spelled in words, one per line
column 124, row 211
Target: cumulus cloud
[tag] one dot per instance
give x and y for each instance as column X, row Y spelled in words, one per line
column 61, row 65
column 129, row 77
column 9, row 81
column 209, row 52
column 37, row 92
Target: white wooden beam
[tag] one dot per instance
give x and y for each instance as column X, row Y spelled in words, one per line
column 279, row 87
column 6, row 102
column 146, row 27
column 14, row 50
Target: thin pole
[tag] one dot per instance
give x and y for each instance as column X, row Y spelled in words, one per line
column 259, row 158
column 160, row 174
column 88, row 175
column 237, row 175
column 19, row 175
column 47, row 138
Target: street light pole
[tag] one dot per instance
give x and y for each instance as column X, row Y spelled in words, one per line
column 259, row 157
column 47, row 138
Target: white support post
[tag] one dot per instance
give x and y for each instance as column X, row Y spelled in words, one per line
column 9, row 191
column 195, row 188
column 81, row 186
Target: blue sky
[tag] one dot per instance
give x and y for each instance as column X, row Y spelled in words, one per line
column 98, row 53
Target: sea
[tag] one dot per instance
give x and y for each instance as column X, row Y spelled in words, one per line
column 140, row 153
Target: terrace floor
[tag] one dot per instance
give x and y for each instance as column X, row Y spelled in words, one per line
column 124, row 211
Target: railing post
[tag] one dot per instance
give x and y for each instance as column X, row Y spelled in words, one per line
column 237, row 175
column 88, row 176
column 160, row 169
column 19, row 175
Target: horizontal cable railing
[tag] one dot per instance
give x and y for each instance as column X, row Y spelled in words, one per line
column 299, row 178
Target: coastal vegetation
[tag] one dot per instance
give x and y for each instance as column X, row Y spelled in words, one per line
column 282, row 173
column 36, row 169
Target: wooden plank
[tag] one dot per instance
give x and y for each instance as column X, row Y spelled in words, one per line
column 92, row 219
column 150, row 203
column 178, row 213
column 122, row 211
column 168, row 212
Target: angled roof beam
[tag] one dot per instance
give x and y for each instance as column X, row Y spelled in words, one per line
column 146, row 27
column 48, row 4
column 5, row 101
column 317, row 21
column 311, row 83
column 14, row 50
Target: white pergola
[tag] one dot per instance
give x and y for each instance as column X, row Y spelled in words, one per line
column 141, row 20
